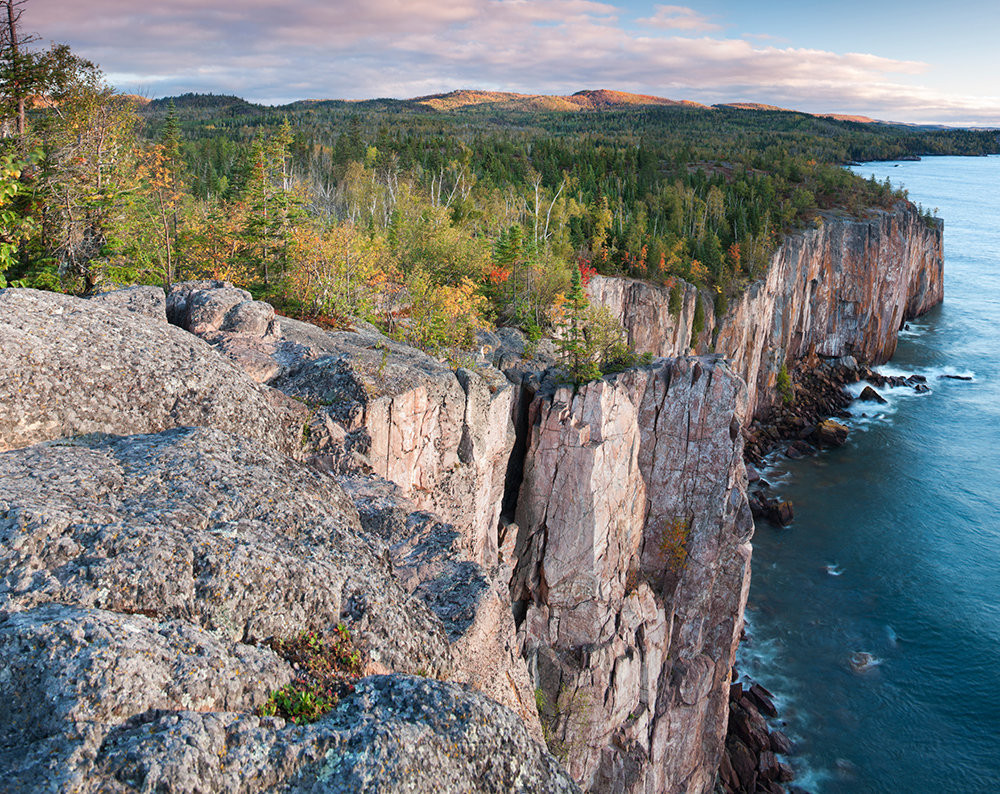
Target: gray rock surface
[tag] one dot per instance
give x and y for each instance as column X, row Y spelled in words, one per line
column 393, row 733
column 71, row 366
column 148, row 301
column 192, row 524
column 376, row 406
column 431, row 561
column 133, row 572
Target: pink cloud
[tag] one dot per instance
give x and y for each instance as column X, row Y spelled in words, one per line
column 679, row 18
column 275, row 53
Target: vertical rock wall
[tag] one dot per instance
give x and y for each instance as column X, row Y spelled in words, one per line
column 632, row 569
column 843, row 289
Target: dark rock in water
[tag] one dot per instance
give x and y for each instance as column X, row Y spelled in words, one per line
column 750, row 725
column 780, row 743
column 916, row 379
column 735, row 692
column 785, row 773
column 831, row 434
column 921, row 388
column 780, row 513
column 752, row 474
column 799, row 449
column 868, row 394
column 770, row 787
column 954, row 377
column 767, row 765
column 762, row 699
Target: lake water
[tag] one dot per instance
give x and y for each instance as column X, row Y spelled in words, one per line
column 895, row 548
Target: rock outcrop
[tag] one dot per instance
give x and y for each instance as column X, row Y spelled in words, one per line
column 70, row 366
column 136, row 573
column 644, row 309
column 442, row 435
column 844, row 289
column 632, row 570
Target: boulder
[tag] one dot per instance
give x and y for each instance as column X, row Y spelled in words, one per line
column 868, row 394
column 148, row 301
column 70, row 366
column 831, row 434
column 780, row 743
column 763, row 700
column 799, row 449
column 780, row 513
column 749, row 725
column 744, row 763
column 767, row 765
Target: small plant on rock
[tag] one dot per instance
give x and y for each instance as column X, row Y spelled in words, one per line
column 327, row 665
column 784, row 384
column 673, row 544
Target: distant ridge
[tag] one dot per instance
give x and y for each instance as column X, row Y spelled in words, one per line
column 754, row 106
column 593, row 100
column 601, row 99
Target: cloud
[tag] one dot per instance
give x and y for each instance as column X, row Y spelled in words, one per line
column 679, row 18
column 277, row 52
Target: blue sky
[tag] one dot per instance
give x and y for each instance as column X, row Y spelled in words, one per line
column 902, row 61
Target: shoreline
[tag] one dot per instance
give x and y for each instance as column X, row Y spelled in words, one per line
column 757, row 757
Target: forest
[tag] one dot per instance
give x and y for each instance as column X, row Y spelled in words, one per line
column 428, row 218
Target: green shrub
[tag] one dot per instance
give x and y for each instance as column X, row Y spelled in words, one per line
column 676, row 300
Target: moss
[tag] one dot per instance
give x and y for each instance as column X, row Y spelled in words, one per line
column 784, row 384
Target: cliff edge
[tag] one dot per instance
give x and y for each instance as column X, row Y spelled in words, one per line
column 844, row 289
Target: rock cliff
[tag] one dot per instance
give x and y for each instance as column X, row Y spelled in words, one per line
column 843, row 289
column 632, row 570
column 588, row 571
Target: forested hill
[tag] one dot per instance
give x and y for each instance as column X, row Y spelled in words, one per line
column 611, row 113
column 437, row 214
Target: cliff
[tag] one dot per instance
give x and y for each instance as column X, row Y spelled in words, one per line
column 580, row 558
column 141, row 573
column 843, row 289
column 632, row 570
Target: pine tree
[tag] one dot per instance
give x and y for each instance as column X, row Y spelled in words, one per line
column 576, row 350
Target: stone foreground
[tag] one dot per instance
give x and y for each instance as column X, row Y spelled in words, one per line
column 136, row 573
column 612, row 525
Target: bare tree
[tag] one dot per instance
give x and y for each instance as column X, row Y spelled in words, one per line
column 19, row 67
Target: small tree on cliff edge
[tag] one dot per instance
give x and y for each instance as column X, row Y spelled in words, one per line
column 576, row 350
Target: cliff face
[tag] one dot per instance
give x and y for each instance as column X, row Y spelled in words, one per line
column 626, row 559
column 843, row 289
column 632, row 569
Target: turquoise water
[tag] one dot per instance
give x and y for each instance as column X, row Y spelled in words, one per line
column 895, row 548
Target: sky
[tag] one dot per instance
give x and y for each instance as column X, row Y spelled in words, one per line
column 913, row 61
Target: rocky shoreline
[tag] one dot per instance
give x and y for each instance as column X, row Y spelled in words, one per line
column 752, row 761
column 758, row 759
column 806, row 422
